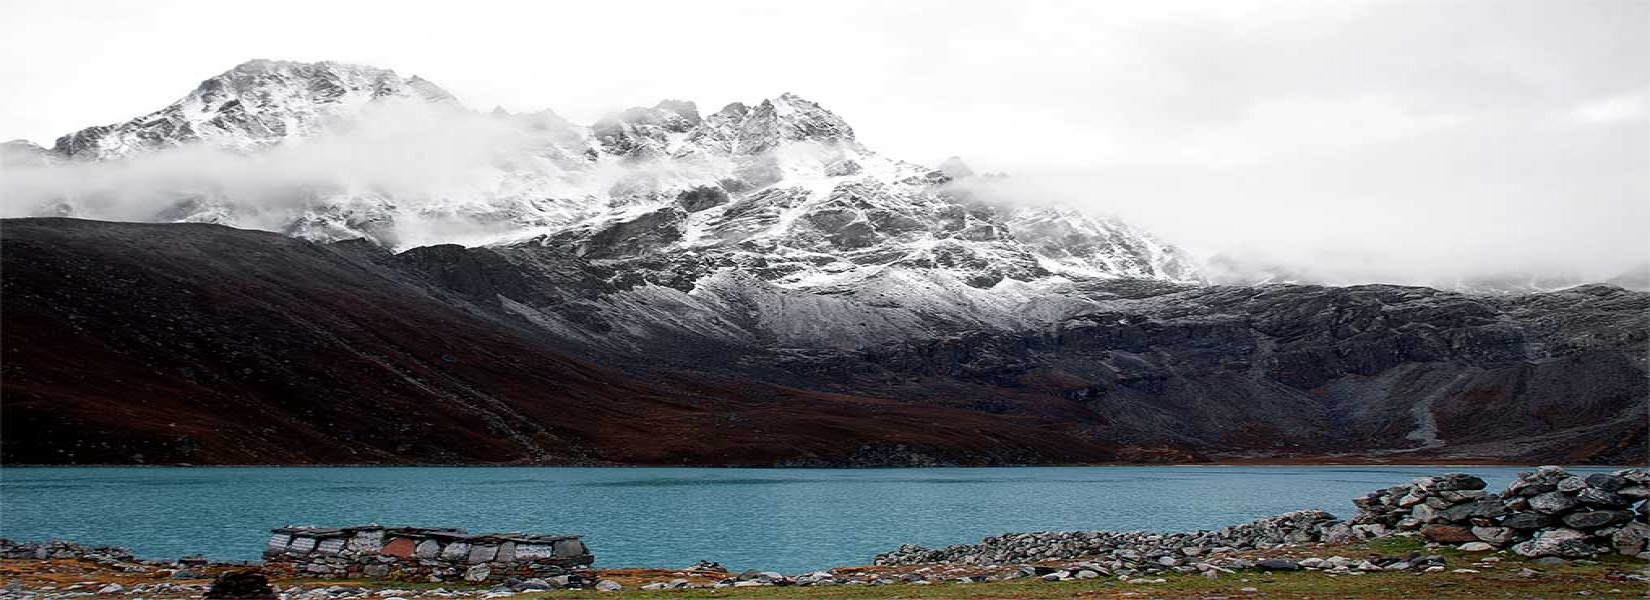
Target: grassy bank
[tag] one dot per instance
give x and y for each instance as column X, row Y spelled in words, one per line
column 1480, row 575
column 1602, row 580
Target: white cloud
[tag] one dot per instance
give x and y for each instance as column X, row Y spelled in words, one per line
column 1407, row 134
column 1620, row 107
column 1293, row 127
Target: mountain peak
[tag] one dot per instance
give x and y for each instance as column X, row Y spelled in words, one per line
column 781, row 182
column 732, row 110
column 682, row 108
column 742, row 129
column 254, row 104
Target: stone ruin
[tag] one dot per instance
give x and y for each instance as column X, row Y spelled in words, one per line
column 418, row 554
column 1545, row 512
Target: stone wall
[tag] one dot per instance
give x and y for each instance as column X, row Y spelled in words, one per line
column 1545, row 512
column 1133, row 548
column 415, row 554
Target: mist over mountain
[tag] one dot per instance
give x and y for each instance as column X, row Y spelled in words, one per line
column 329, row 151
column 332, row 151
column 759, row 261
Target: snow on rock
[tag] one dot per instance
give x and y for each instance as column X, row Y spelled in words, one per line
column 769, row 219
column 258, row 103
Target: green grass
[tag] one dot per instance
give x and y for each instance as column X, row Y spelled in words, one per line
column 380, row 584
column 1600, row 579
column 1395, row 546
column 1280, row 585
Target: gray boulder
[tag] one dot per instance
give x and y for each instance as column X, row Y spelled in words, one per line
column 1567, row 543
column 1527, row 520
column 1498, row 536
column 1487, row 508
column 1278, row 564
column 1571, row 485
column 1554, row 503
column 1606, row 481
column 1594, row 519
column 1631, row 539
column 1598, row 497
column 1450, row 482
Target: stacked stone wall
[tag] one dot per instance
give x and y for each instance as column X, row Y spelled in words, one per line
column 1545, row 512
column 414, row 554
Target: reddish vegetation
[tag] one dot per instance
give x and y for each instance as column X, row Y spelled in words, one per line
column 130, row 343
column 184, row 343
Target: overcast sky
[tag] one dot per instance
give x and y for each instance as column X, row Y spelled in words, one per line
column 1450, row 137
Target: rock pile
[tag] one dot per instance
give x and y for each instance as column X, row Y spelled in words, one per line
column 1140, row 572
column 1546, row 512
column 63, row 549
column 1129, row 549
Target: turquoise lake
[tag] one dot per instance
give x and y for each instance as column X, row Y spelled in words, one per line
column 790, row 520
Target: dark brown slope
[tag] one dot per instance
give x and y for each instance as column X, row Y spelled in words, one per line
column 135, row 343
column 1235, row 373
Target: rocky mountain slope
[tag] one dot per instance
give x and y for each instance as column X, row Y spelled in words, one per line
column 1404, row 372
column 144, row 344
column 782, row 182
column 256, row 104
column 198, row 343
column 756, row 269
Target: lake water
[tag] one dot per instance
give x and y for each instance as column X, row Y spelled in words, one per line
column 790, row 520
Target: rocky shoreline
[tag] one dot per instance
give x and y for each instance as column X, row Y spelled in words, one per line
column 1545, row 512
column 1545, row 517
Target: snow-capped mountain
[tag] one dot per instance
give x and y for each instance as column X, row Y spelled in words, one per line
column 253, row 105
column 748, row 286
column 780, row 190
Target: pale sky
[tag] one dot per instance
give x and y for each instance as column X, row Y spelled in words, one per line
column 1454, row 137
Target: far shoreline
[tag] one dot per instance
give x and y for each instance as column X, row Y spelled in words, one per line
column 1463, row 463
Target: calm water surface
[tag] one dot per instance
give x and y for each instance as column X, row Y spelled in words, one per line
column 785, row 519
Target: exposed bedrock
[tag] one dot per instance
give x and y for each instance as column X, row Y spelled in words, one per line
column 280, row 350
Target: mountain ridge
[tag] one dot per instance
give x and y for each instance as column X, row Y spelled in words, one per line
column 757, row 265
column 783, row 177
column 193, row 325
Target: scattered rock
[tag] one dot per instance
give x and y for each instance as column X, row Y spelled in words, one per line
column 1278, row 564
